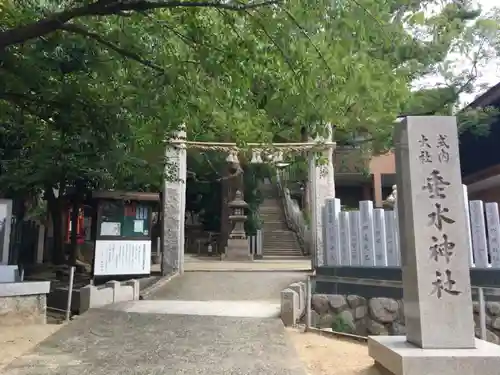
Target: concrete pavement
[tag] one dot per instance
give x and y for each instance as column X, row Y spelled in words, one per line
column 203, row 323
column 242, row 309
column 227, row 286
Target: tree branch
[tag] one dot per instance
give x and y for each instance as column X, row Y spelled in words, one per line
column 56, row 21
column 123, row 52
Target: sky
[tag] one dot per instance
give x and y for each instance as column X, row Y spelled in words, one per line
column 489, row 74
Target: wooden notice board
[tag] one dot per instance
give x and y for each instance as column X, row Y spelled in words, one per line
column 124, row 219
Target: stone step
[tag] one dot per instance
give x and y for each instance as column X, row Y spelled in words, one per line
column 283, row 241
column 290, row 257
column 281, row 249
column 280, row 245
column 277, row 241
column 278, row 235
column 283, row 253
column 294, row 255
column 291, row 247
column 284, row 257
column 272, row 228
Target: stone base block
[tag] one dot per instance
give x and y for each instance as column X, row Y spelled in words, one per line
column 396, row 356
column 23, row 303
column 237, row 250
column 92, row 296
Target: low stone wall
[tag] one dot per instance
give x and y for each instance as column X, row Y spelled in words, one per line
column 23, row 303
column 380, row 316
column 112, row 292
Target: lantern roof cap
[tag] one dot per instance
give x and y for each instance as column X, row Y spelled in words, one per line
column 238, row 201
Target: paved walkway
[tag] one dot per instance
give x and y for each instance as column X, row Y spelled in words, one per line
column 228, row 286
column 203, row 323
column 195, row 263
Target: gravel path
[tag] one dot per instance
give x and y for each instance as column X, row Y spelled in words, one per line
column 227, row 286
column 17, row 340
column 323, row 355
column 104, row 342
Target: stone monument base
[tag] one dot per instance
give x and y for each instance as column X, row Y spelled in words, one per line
column 396, row 356
column 237, row 250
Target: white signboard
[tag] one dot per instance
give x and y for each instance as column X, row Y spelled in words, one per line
column 122, row 258
column 110, row 229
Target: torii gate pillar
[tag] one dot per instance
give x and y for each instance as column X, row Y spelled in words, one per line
column 322, row 186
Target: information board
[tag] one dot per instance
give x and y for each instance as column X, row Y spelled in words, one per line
column 135, row 220
column 122, row 257
column 124, row 219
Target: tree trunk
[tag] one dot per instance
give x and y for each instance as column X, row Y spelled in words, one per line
column 74, row 230
column 55, row 207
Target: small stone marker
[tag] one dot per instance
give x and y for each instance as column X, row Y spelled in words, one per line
column 392, row 257
column 467, row 224
column 289, row 307
column 345, row 238
column 366, row 230
column 300, row 289
column 354, row 232
column 434, row 259
column 332, row 240
column 380, row 237
column 478, row 229
column 493, row 222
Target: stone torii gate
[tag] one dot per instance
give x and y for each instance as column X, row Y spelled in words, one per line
column 322, row 187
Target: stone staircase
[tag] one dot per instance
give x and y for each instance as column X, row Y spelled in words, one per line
column 278, row 240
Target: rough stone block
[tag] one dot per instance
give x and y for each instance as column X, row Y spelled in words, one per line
column 397, row 356
column 23, row 310
column 337, row 302
column 320, row 303
column 289, row 307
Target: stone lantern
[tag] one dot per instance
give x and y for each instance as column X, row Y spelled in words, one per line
column 237, row 216
column 237, row 244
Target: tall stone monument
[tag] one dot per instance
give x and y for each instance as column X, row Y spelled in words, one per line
column 174, row 204
column 434, row 259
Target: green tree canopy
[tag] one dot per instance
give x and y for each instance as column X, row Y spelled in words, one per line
column 90, row 90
